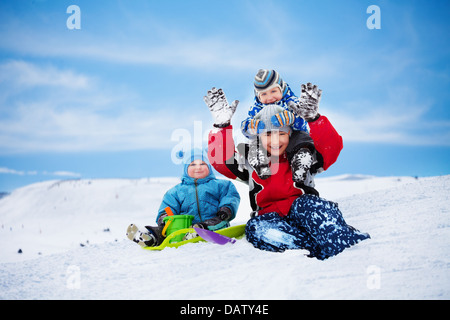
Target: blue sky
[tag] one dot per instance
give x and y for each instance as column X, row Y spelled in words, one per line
column 115, row 98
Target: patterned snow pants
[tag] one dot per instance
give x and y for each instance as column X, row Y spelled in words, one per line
column 313, row 223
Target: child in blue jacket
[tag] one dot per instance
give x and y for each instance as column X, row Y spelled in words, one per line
column 212, row 202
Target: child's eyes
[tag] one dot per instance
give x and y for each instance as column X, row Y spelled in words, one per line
column 266, row 93
column 197, row 164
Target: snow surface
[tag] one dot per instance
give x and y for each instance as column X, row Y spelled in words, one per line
column 72, row 237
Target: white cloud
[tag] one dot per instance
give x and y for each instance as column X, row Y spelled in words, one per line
column 25, row 74
column 63, row 174
column 159, row 42
column 173, row 48
column 45, row 128
column 82, row 118
column 92, row 118
column 390, row 125
column 4, row 170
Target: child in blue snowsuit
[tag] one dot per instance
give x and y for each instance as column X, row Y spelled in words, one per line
column 212, row 202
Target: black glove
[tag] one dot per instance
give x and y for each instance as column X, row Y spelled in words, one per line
column 161, row 222
column 224, row 214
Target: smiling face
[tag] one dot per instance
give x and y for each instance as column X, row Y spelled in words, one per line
column 275, row 142
column 270, row 96
column 198, row 169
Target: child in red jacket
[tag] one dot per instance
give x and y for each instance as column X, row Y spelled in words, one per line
column 286, row 214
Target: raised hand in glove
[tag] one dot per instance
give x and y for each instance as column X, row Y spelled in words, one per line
column 308, row 108
column 219, row 107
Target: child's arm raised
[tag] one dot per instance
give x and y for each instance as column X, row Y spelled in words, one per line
column 308, row 105
column 327, row 140
column 221, row 111
column 221, row 149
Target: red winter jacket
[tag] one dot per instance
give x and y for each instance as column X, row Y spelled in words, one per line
column 278, row 192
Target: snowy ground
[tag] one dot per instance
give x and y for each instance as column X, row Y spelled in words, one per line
column 72, row 238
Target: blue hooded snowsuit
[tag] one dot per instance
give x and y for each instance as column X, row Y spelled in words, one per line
column 201, row 198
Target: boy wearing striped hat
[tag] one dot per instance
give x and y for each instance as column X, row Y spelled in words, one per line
column 270, row 89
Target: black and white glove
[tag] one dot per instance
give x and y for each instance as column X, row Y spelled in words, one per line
column 259, row 160
column 221, row 111
column 308, row 108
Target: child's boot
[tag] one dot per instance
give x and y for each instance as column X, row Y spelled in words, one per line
column 156, row 234
column 141, row 238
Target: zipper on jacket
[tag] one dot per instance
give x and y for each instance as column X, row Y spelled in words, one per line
column 198, row 202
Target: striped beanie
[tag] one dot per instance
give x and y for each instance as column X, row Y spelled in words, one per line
column 267, row 114
column 267, row 79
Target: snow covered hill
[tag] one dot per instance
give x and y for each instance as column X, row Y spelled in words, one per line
column 71, row 235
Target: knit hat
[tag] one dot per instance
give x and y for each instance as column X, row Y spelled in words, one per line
column 266, row 115
column 267, row 79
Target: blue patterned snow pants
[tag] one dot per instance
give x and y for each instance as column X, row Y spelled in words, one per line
column 313, row 223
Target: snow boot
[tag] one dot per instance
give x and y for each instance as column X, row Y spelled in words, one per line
column 156, row 234
column 141, row 238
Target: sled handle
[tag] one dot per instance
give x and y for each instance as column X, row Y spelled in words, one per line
column 169, row 212
column 166, row 226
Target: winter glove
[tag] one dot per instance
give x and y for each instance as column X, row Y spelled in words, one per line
column 300, row 164
column 282, row 119
column 259, row 159
column 224, row 214
column 219, row 107
column 218, row 222
column 160, row 221
column 308, row 106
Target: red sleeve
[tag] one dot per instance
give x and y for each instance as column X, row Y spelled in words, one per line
column 326, row 140
column 221, row 150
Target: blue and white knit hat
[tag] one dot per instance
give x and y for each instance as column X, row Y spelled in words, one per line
column 267, row 79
